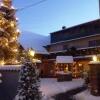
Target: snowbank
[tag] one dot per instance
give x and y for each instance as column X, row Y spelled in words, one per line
column 10, row 67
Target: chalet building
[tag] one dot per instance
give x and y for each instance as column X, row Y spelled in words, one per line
column 80, row 41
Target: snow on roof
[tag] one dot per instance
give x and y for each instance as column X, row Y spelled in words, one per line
column 35, row 41
column 64, row 59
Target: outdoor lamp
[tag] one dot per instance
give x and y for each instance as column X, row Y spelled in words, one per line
column 31, row 52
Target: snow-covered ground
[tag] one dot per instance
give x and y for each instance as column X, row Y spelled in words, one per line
column 50, row 86
column 86, row 96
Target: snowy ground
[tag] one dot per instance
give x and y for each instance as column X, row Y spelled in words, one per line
column 86, row 96
column 50, row 86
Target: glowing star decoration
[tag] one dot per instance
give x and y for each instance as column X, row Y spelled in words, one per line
column 94, row 58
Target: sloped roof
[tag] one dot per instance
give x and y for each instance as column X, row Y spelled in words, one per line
column 35, row 41
column 83, row 30
column 79, row 25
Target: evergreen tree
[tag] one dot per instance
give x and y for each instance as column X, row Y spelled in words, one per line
column 28, row 88
column 9, row 46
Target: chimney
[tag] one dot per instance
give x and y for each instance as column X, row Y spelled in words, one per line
column 63, row 27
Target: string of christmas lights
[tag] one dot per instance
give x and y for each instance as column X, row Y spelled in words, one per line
column 9, row 33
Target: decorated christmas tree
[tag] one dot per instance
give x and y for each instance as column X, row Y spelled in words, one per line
column 28, row 88
column 9, row 32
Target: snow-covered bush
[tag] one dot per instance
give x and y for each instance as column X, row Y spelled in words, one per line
column 28, row 88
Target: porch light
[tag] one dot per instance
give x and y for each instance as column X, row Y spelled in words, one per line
column 66, row 69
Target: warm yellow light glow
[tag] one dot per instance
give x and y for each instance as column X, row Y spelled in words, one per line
column 2, row 62
column 36, row 60
column 15, row 50
column 16, row 61
column 1, row 4
column 17, row 30
column 6, row 44
column 80, row 64
column 66, row 69
column 12, row 24
column 31, row 52
column 94, row 58
column 13, row 38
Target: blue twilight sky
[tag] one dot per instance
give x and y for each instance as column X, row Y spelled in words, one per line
column 51, row 15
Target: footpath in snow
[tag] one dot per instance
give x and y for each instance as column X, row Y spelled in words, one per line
column 50, row 86
column 86, row 96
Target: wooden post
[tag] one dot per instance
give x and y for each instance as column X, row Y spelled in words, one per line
column 95, row 78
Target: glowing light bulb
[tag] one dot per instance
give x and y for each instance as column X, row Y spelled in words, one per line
column 12, row 24
column 15, row 50
column 6, row 44
column 17, row 30
column 94, row 58
column 16, row 61
column 1, row 4
column 12, row 7
column 13, row 38
column 66, row 68
column 31, row 53
column 2, row 62
column 16, row 18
